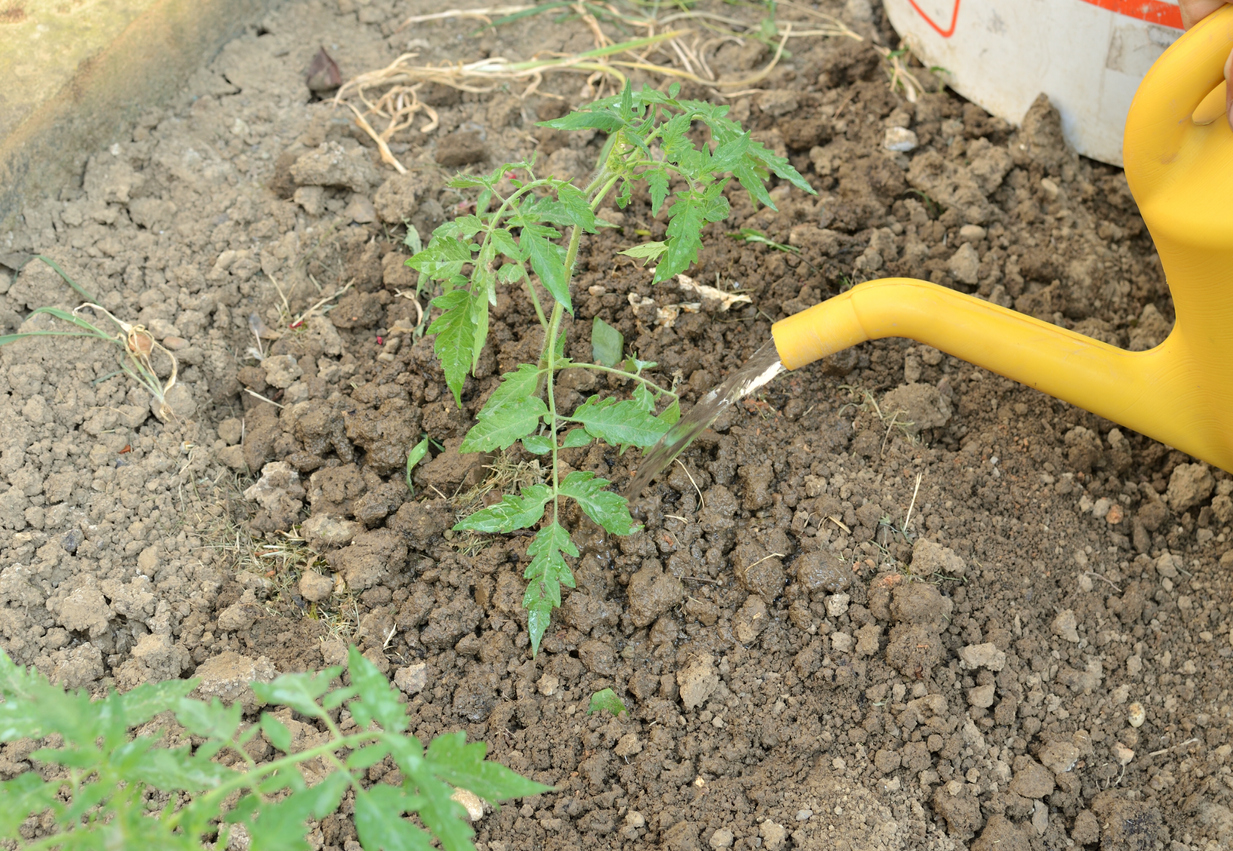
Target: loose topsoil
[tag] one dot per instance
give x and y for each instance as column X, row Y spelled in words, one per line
column 1042, row 661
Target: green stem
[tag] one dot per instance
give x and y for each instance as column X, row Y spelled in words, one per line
column 623, row 374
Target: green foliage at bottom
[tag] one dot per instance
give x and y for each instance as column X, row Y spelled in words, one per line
column 100, row 787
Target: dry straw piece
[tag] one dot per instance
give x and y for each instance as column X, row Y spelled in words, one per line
column 387, row 100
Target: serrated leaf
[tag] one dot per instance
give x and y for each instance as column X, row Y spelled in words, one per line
column 379, row 822
column 643, row 398
column 607, row 343
column 585, row 120
column 511, row 273
column 547, row 572
column 299, row 691
column 368, row 756
column 548, row 261
column 648, row 251
column 618, row 423
column 212, row 720
column 515, row 386
column 657, row 185
column 608, row 509
column 685, row 220
column 504, row 425
column 463, row 765
column 537, row 444
column 576, row 438
column 671, row 414
column 442, row 258
column 571, row 208
column 503, row 241
column 378, row 699
column 514, row 511
column 606, row 701
column 730, row 153
column 276, row 732
column 455, row 342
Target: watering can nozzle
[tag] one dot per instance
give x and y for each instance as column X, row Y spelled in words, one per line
column 1179, row 164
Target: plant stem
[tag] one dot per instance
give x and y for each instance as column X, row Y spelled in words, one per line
column 623, row 374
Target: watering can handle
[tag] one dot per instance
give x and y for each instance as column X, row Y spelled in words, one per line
column 1160, row 123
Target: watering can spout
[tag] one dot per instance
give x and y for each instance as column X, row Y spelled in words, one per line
column 1179, row 164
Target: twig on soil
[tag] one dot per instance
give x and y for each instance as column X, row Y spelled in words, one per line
column 908, row 518
column 701, row 499
column 1105, row 579
column 1173, row 747
column 252, row 392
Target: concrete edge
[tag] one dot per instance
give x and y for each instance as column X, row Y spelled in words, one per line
column 141, row 69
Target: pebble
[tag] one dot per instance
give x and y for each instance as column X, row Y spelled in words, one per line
column 900, row 139
column 548, row 684
column 1122, row 754
column 722, row 838
column 985, row 655
column 837, row 605
column 412, row 679
column 314, row 587
column 804, row 815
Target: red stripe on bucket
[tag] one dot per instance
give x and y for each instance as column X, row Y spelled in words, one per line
column 1152, row 11
column 954, row 16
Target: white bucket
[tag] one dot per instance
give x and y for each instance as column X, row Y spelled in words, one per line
column 1088, row 56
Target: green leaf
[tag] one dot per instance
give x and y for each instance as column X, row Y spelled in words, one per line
column 378, row 699
column 671, row 414
column 643, row 398
column 571, row 208
column 276, row 732
column 657, row 185
column 606, row 701
column 368, row 756
column 379, row 822
column 686, row 217
column 548, row 261
column 463, row 765
column 504, row 242
column 444, row 257
column 280, row 826
column 537, row 444
column 607, row 343
column 547, row 572
column 608, row 509
column 622, row 423
column 515, row 386
column 455, row 343
column 415, row 456
column 299, row 691
column 729, row 154
column 25, row 795
column 501, row 427
column 584, row 121
column 512, row 512
column 645, row 251
column 575, row 438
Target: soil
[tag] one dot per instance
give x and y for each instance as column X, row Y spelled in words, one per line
column 1042, row 661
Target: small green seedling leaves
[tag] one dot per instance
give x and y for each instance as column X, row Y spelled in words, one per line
column 606, row 701
column 415, row 456
column 525, row 232
column 104, row 802
column 606, row 343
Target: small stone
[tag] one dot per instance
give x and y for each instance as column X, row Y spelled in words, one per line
column 985, row 655
column 773, row 835
column 314, row 587
column 412, row 679
column 1122, row 754
column 1060, row 756
column 629, row 745
column 981, row 696
column 698, row 681
column 1136, row 714
column 971, row 233
column 1189, row 485
column 804, row 815
column 360, row 210
column 1065, row 626
column 842, row 642
column 470, row 802
column 964, row 264
column 837, row 605
column 722, row 838
column 547, row 685
column 281, row 370
column 323, row 531
column 900, row 140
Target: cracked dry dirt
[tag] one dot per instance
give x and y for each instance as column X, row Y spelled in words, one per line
column 1045, row 665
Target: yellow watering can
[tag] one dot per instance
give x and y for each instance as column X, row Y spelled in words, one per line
column 1178, row 153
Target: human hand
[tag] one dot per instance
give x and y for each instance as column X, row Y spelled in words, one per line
column 1194, row 11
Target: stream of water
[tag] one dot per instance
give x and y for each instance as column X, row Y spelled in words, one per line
column 757, row 373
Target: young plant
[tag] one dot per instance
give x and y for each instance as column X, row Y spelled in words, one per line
column 104, row 788
column 137, row 346
column 515, row 238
